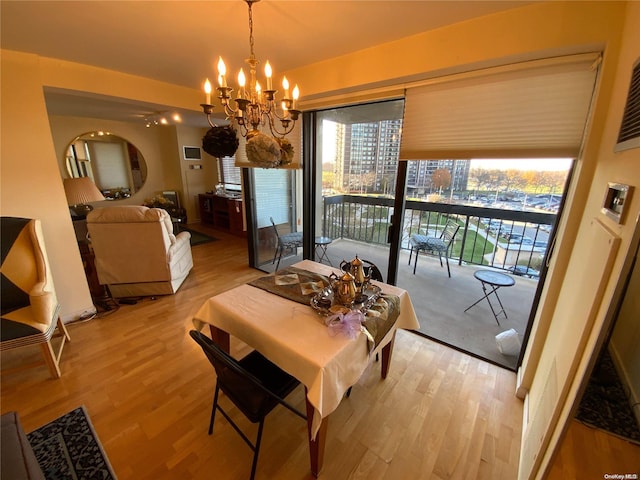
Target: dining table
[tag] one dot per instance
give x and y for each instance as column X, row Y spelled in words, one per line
column 295, row 337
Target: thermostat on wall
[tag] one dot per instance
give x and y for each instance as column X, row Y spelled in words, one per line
column 191, row 153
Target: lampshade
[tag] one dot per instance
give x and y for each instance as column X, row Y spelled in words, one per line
column 80, row 191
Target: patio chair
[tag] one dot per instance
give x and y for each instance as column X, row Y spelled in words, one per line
column 287, row 241
column 433, row 246
column 254, row 385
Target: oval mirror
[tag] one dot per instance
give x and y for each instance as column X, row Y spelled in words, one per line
column 114, row 164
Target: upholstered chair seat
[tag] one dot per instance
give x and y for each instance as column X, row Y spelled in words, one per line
column 136, row 251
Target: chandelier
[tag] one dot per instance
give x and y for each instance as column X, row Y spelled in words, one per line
column 255, row 107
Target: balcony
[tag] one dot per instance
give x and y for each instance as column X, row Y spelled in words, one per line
column 488, row 238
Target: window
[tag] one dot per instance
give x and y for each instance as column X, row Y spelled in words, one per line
column 229, row 174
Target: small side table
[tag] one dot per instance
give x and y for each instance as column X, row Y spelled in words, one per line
column 321, row 249
column 492, row 281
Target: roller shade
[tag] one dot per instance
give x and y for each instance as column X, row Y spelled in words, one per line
column 529, row 110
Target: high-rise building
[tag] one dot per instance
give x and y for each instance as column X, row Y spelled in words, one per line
column 367, row 161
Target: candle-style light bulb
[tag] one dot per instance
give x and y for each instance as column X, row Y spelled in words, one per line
column 222, row 71
column 285, row 85
column 268, row 73
column 242, row 80
column 258, row 92
column 207, row 91
column 296, row 95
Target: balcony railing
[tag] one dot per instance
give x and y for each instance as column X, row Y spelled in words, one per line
column 488, row 236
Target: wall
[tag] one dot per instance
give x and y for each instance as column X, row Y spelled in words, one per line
column 572, row 342
column 30, row 178
column 160, row 159
column 161, row 147
column 195, row 181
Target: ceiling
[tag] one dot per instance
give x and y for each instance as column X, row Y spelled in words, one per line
column 179, row 41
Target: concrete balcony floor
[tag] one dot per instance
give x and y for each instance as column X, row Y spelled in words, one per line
column 440, row 301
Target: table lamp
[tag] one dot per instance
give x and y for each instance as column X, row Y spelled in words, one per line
column 80, row 192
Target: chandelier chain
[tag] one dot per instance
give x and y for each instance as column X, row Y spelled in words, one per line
column 251, row 30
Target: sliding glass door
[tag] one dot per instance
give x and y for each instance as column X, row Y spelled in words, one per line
column 356, row 167
column 273, row 208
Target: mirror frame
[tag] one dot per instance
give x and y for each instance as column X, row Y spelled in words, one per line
column 131, row 169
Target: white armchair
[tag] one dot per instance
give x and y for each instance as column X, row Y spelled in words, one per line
column 136, row 252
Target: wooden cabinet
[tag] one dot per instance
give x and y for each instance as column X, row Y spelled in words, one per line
column 221, row 212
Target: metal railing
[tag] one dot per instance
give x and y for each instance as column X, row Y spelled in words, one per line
column 487, row 236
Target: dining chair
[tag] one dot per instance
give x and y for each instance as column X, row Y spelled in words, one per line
column 370, row 269
column 435, row 246
column 254, row 384
column 286, row 241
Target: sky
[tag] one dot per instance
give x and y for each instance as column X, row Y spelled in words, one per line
column 537, row 164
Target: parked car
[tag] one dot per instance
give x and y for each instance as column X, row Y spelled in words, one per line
column 513, row 237
column 524, row 271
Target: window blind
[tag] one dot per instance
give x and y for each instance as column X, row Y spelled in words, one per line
column 529, row 110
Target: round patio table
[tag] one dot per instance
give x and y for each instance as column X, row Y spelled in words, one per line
column 321, row 249
column 492, row 281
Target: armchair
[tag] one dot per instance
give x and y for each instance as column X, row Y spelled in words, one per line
column 30, row 309
column 136, row 252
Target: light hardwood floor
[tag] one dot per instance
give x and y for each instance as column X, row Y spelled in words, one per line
column 148, row 388
column 589, row 453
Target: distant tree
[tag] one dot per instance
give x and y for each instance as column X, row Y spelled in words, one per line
column 328, row 179
column 441, row 178
column 513, row 179
column 367, row 180
column 481, row 177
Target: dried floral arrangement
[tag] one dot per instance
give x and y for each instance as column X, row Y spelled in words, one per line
column 220, row 141
column 263, row 151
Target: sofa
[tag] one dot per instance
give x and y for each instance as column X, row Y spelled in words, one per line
column 136, row 251
column 17, row 460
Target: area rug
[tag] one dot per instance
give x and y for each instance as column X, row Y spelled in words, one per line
column 198, row 238
column 68, row 448
column 604, row 404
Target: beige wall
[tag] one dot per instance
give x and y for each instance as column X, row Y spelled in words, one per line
column 194, row 180
column 30, row 179
column 571, row 341
column 161, row 147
